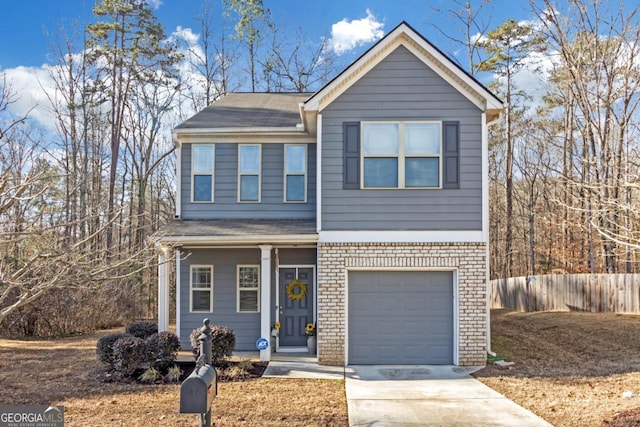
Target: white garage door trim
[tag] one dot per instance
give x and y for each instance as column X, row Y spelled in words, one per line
column 456, row 305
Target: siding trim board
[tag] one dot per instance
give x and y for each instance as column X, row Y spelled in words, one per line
column 444, row 236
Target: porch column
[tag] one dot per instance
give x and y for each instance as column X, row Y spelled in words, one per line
column 163, row 289
column 265, row 298
column 177, row 270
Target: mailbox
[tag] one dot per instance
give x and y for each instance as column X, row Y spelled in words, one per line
column 198, row 390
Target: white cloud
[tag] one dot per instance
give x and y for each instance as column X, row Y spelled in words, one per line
column 347, row 35
column 155, row 4
column 185, row 34
column 31, row 86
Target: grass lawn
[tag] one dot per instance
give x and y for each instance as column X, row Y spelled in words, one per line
column 572, row 369
column 66, row 372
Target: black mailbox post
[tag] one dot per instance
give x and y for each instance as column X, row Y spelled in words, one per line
column 200, row 388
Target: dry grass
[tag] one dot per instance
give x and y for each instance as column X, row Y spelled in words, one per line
column 570, row 368
column 65, row 372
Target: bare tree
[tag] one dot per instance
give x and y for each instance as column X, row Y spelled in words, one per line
column 470, row 25
column 508, row 48
column 598, row 52
column 297, row 66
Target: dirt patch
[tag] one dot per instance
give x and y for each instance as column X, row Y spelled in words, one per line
column 571, row 368
column 66, row 372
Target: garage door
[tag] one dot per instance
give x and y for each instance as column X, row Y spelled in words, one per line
column 400, row 317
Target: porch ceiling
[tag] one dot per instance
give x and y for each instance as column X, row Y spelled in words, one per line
column 221, row 231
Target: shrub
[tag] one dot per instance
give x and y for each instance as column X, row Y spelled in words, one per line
column 150, row 375
column 130, row 354
column 104, row 348
column 164, row 348
column 142, row 329
column 174, row 373
column 222, row 343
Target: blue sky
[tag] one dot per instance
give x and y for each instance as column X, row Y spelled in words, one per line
column 23, row 23
column 351, row 26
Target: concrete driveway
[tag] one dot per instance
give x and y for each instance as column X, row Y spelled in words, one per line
column 428, row 396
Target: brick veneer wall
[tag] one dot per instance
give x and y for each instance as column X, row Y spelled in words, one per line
column 334, row 259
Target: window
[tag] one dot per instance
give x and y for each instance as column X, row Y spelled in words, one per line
column 248, row 289
column 295, row 173
column 401, row 155
column 201, row 288
column 202, row 172
column 249, row 160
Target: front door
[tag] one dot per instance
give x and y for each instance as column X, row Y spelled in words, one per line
column 296, row 304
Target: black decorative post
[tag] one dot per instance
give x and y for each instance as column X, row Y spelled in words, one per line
column 205, row 341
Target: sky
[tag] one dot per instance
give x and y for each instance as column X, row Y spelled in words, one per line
column 23, row 23
column 351, row 26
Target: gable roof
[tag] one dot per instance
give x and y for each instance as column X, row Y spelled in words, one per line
column 255, row 111
column 294, row 113
column 434, row 58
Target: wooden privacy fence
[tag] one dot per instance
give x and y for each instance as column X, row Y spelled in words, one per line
column 618, row 293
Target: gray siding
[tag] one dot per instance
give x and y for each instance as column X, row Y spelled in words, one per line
column 226, row 186
column 246, row 326
column 402, row 88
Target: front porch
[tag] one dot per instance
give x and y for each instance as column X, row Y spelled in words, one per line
column 238, row 274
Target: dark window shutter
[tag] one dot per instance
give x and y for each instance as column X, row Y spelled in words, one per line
column 351, row 155
column 451, row 154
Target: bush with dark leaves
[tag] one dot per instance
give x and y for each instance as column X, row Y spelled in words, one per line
column 104, row 348
column 131, row 354
column 142, row 329
column 164, row 348
column 222, row 343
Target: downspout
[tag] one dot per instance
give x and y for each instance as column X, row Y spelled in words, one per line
column 178, row 170
column 485, row 217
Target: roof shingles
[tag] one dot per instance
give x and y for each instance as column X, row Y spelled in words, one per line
column 239, row 228
column 249, row 110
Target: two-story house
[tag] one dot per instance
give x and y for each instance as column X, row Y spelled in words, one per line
column 362, row 208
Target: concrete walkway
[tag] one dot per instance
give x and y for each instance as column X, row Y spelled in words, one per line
column 424, row 395
column 396, row 396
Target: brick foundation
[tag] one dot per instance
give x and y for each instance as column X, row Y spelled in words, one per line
column 335, row 259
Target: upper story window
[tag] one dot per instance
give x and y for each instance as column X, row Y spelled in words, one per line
column 249, row 170
column 295, row 173
column 202, row 172
column 401, row 154
column 201, row 288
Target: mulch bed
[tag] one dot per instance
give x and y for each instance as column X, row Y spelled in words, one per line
column 630, row 418
column 231, row 372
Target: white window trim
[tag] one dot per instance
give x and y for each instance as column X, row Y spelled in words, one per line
column 306, row 173
column 240, row 174
column 191, row 288
column 256, row 266
column 213, row 174
column 401, row 156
